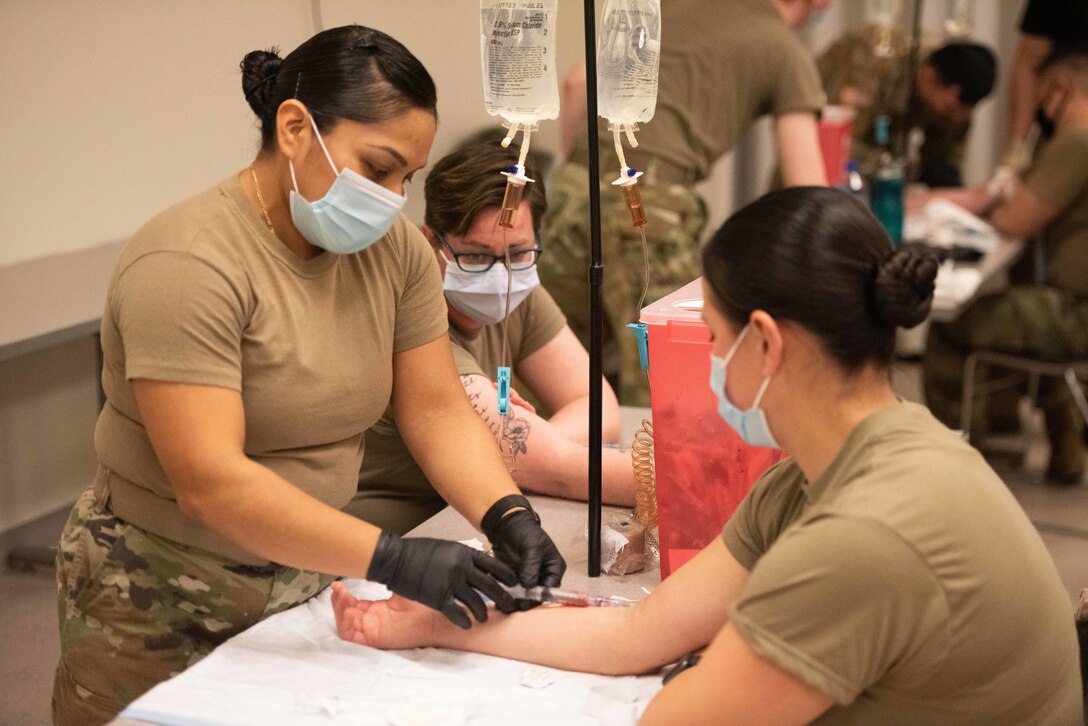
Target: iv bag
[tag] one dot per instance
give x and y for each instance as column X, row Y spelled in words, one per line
column 517, row 47
column 884, row 13
column 958, row 18
column 628, row 54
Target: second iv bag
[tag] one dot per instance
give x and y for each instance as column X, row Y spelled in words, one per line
column 517, row 48
column 628, row 54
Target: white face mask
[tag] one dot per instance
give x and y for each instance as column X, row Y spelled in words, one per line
column 352, row 215
column 482, row 295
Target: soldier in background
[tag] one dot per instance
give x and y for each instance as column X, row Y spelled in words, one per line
column 1045, row 25
column 723, row 65
column 1049, row 320
column 870, row 71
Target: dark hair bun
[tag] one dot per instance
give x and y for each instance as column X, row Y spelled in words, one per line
column 903, row 288
column 259, row 69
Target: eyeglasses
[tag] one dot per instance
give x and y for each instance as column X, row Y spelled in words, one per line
column 520, row 259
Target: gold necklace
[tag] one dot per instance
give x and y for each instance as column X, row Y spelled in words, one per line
column 264, row 209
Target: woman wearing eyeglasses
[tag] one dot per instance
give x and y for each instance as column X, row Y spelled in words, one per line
column 251, row 335
column 464, row 192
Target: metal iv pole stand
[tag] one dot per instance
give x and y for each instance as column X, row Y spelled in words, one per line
column 596, row 305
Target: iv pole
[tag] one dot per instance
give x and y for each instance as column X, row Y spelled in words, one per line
column 596, row 305
column 912, row 68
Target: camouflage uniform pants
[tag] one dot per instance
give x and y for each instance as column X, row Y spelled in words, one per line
column 136, row 609
column 676, row 217
column 1040, row 322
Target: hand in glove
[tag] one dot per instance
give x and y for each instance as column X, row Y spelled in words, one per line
column 520, row 542
column 439, row 573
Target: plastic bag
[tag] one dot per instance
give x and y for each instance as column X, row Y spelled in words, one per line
column 626, row 546
column 628, row 58
column 517, row 49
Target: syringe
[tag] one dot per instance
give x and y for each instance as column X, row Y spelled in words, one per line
column 571, row 598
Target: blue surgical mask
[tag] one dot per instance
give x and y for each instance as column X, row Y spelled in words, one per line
column 483, row 295
column 751, row 425
column 354, row 214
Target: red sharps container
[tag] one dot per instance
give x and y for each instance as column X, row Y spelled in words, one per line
column 702, row 467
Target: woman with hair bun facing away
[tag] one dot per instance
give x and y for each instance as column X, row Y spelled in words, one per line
column 251, row 335
column 881, row 574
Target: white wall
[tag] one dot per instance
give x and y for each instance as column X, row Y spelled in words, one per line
column 111, row 111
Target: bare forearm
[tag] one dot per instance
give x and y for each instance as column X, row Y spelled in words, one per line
column 566, row 474
column 572, row 420
column 267, row 516
column 592, row 640
column 544, row 459
column 974, row 199
column 799, row 150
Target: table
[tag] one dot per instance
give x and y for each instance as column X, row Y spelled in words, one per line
column 54, row 299
column 292, row 668
column 563, row 519
column 991, row 269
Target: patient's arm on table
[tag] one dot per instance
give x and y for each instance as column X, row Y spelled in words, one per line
column 1023, row 214
column 731, row 685
column 545, row 461
column 684, row 613
column 547, row 373
column 975, row 199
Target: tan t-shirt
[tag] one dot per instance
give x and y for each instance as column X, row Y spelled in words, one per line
column 723, row 65
column 205, row 294
column 906, row 583
column 1059, row 176
column 393, row 491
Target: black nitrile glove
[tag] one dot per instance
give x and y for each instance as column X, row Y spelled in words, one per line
column 520, row 541
column 438, row 573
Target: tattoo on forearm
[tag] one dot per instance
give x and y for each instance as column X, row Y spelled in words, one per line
column 515, row 435
column 482, row 412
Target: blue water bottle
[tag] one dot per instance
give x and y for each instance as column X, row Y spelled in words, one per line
column 887, row 188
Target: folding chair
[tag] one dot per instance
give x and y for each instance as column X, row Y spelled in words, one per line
column 1074, row 373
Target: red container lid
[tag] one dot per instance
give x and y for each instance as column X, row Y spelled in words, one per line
column 682, row 305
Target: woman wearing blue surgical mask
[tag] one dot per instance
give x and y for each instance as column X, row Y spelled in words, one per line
column 873, row 575
column 251, row 335
column 463, row 195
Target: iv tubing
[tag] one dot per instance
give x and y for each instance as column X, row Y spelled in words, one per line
column 642, row 461
column 619, row 149
column 504, row 445
column 645, row 272
column 510, row 136
column 515, row 177
column 523, row 153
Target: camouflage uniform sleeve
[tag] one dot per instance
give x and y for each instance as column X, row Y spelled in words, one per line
column 849, row 63
column 835, row 69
